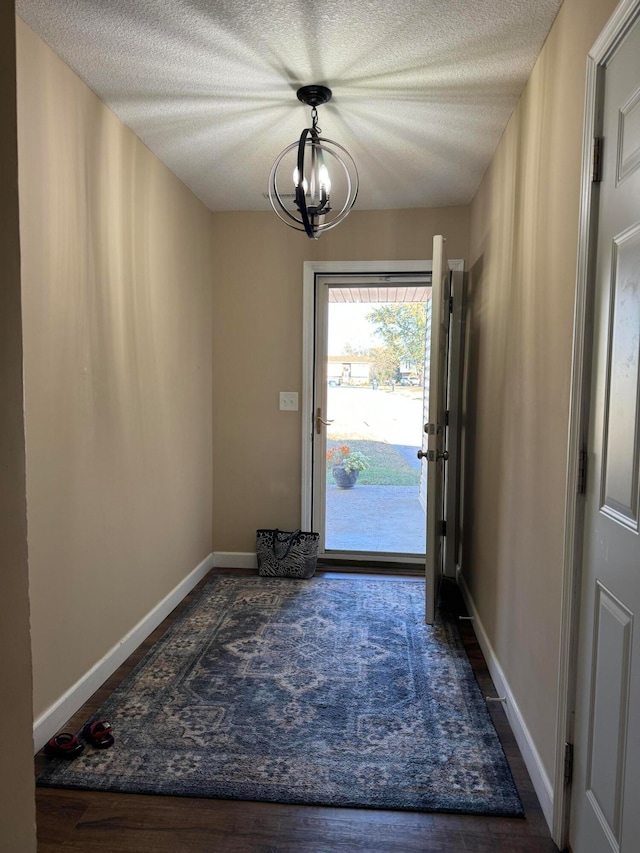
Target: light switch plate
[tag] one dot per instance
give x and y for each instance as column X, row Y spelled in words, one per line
column 288, row 401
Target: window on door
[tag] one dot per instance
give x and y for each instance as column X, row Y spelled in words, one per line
column 372, row 382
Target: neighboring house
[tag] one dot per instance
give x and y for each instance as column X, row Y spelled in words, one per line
column 146, row 458
column 411, row 373
column 349, row 369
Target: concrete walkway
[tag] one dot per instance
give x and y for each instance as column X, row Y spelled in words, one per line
column 375, row 518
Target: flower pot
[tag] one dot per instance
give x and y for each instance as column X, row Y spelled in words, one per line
column 344, row 479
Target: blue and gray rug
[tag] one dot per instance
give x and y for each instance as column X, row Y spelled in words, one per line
column 325, row 692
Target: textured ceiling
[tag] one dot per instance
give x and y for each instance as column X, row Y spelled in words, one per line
column 422, row 89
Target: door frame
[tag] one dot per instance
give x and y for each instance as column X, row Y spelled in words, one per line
column 312, row 270
column 623, row 18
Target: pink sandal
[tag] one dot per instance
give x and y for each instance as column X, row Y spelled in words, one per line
column 64, row 745
column 98, row 734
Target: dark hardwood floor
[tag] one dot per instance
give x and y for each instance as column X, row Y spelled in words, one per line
column 95, row 822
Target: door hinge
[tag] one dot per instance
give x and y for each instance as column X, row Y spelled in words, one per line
column 443, row 529
column 596, row 162
column 568, row 763
column 451, row 305
column 433, row 455
column 433, row 429
column 581, row 485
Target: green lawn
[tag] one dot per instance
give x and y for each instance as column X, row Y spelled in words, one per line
column 387, row 467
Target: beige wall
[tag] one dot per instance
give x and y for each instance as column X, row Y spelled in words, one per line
column 117, row 345
column 524, row 230
column 17, row 812
column 118, row 323
column 257, row 320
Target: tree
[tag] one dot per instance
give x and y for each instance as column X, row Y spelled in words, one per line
column 350, row 349
column 402, row 327
column 384, row 365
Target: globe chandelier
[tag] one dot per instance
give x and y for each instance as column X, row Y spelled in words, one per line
column 319, row 192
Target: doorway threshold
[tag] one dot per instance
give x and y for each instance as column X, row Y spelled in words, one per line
column 368, row 566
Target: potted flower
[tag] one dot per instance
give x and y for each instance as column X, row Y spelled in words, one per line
column 346, row 465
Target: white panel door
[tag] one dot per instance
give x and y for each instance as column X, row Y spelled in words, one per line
column 435, row 428
column 605, row 813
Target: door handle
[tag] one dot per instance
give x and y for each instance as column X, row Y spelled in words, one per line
column 433, row 455
column 320, row 420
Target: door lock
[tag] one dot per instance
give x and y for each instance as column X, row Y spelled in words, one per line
column 433, row 455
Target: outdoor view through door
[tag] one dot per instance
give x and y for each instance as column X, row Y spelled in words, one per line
column 377, row 376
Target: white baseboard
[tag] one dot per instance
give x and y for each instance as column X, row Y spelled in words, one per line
column 538, row 774
column 234, row 560
column 54, row 717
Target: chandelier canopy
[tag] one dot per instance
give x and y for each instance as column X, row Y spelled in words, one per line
column 304, row 196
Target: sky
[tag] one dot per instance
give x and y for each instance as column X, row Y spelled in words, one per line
column 347, row 324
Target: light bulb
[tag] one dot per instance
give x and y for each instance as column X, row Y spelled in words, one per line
column 296, row 180
column 325, row 180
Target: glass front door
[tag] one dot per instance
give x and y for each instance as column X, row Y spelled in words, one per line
column 371, row 365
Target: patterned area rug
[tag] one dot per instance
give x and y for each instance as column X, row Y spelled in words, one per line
column 326, row 692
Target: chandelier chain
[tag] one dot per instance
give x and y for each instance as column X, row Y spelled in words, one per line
column 314, row 119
